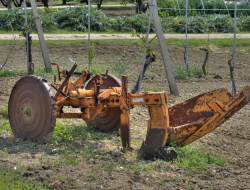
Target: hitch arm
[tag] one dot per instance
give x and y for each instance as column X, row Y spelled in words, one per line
column 66, row 80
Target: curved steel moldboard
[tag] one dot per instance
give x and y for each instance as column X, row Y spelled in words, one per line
column 195, row 108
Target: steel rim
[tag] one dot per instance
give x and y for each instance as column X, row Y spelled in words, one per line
column 32, row 110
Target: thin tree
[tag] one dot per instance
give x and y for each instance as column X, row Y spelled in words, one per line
column 9, row 4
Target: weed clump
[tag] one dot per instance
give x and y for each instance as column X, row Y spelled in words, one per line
column 193, row 71
column 192, row 158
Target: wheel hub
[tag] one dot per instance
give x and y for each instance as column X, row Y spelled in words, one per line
column 27, row 111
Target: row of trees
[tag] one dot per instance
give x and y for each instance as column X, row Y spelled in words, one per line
column 140, row 5
column 7, row 3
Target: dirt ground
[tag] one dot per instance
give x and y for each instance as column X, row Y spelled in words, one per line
column 231, row 140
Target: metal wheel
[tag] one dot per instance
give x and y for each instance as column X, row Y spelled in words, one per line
column 109, row 119
column 32, row 109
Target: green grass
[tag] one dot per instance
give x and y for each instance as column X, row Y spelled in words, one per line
column 161, row 182
column 73, row 42
column 42, row 71
column 4, row 125
column 92, row 177
column 152, row 89
column 193, row 71
column 193, row 158
column 39, row 72
column 11, row 180
column 4, row 73
column 219, row 42
column 66, row 133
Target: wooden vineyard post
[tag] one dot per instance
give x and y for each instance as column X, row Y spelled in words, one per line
column 41, row 36
column 164, row 51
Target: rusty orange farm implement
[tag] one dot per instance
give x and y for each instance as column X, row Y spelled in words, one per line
column 105, row 102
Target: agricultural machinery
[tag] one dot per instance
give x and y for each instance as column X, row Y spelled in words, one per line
column 105, row 102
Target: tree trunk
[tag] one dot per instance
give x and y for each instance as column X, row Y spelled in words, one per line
column 45, row 3
column 64, row 2
column 149, row 60
column 140, row 7
column 9, row 4
column 30, row 41
column 99, row 4
column 231, row 75
column 205, row 60
column 30, row 56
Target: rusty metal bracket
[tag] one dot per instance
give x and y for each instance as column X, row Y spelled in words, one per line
column 96, row 113
column 30, row 69
column 58, row 69
column 66, row 80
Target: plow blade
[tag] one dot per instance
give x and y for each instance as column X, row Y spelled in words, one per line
column 188, row 121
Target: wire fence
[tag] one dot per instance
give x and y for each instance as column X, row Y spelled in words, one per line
column 234, row 31
column 15, row 55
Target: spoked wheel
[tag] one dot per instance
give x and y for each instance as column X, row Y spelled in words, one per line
column 32, row 109
column 109, row 119
column 4, row 2
column 18, row 3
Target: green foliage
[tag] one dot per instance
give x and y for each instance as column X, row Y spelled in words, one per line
column 197, row 4
column 4, row 125
column 171, row 4
column 5, row 109
column 42, row 71
column 207, row 46
column 218, row 42
column 162, row 182
column 96, row 70
column 39, row 71
column 193, row 71
column 62, row 133
column 76, row 19
column 68, row 132
column 193, row 158
column 92, row 177
column 150, row 49
column 125, row 2
column 152, row 89
column 91, row 53
column 4, row 122
column 4, row 73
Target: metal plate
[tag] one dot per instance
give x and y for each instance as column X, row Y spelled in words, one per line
column 109, row 119
column 32, row 109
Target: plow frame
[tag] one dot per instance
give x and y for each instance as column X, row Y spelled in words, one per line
column 182, row 124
